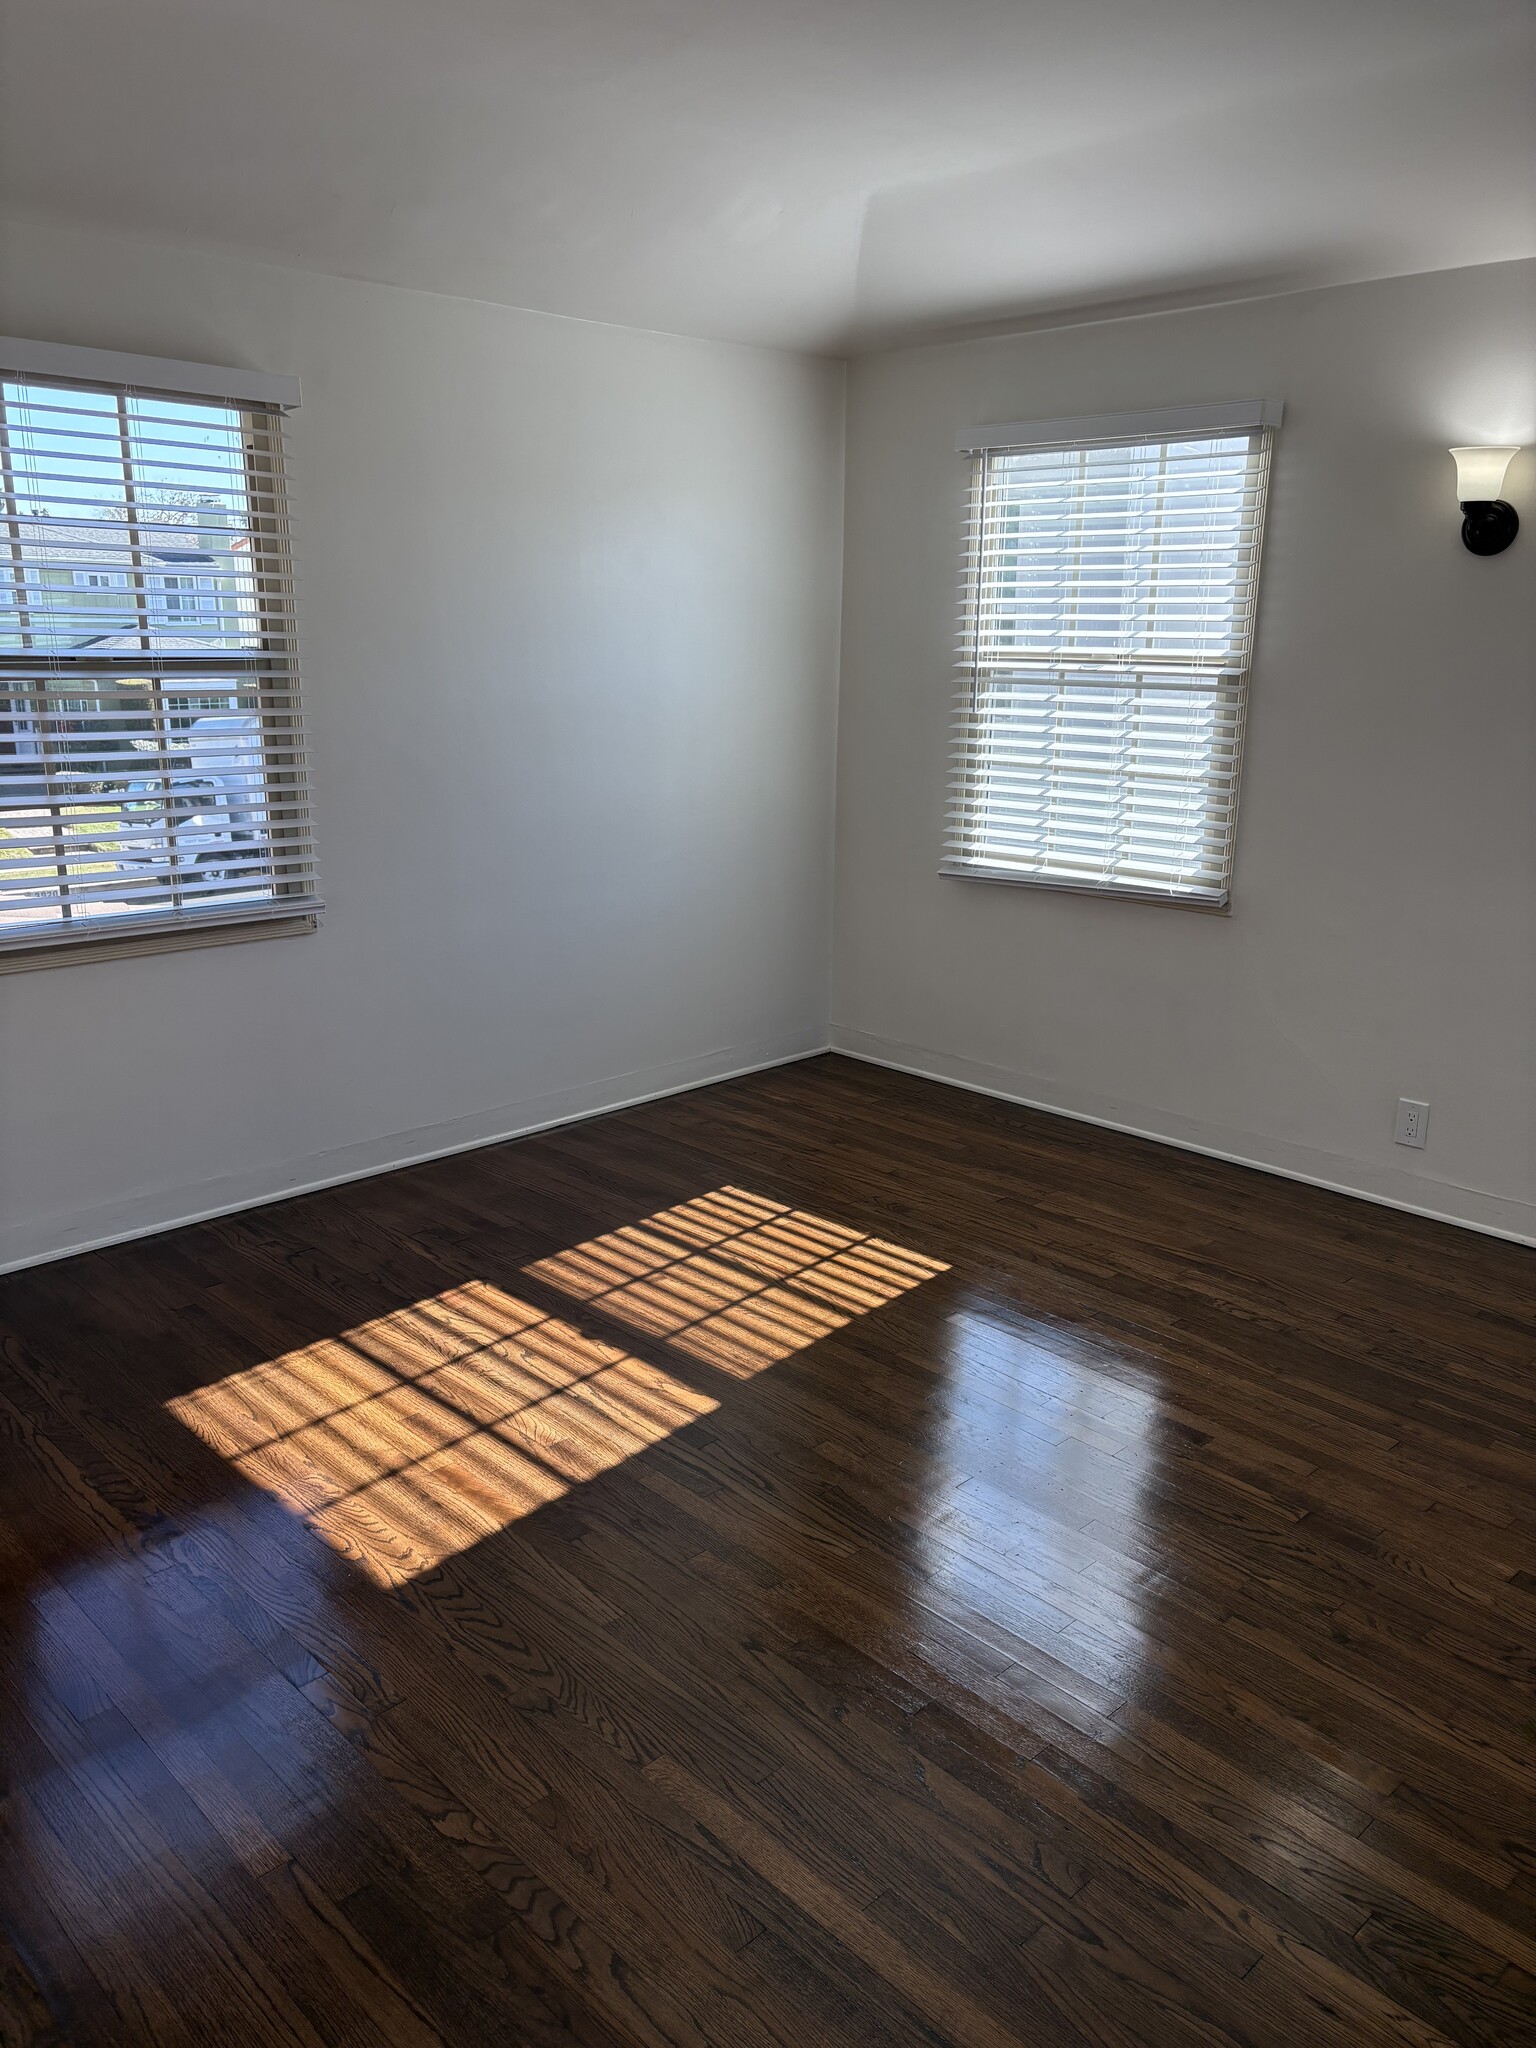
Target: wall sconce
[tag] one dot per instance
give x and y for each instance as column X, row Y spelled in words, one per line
column 1490, row 524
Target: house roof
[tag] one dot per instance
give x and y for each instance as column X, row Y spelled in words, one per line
column 104, row 544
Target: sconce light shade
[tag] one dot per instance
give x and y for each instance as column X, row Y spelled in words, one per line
column 1480, row 473
column 1488, row 523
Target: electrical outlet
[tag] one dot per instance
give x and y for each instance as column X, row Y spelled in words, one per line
column 1412, row 1122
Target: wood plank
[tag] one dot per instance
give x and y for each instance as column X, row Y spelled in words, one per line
column 1098, row 1611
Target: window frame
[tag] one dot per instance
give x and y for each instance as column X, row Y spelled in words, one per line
column 262, row 675
column 1258, row 418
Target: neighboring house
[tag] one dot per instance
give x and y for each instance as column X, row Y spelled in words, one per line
column 75, row 584
column 175, row 583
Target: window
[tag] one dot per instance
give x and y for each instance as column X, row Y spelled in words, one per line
column 181, row 597
column 1106, row 628
column 152, row 774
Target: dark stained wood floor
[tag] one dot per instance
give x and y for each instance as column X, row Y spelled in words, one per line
column 1121, row 1635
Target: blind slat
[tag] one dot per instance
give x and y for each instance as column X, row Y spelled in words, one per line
column 1107, row 606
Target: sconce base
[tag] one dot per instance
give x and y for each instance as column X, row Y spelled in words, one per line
column 1489, row 525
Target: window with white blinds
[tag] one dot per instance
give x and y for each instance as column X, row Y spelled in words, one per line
column 152, row 772
column 1107, row 610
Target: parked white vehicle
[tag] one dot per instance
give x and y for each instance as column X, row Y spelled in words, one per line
column 207, row 811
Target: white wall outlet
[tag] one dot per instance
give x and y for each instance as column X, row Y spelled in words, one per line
column 1412, row 1122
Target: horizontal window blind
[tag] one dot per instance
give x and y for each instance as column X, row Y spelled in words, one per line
column 1106, row 629
column 152, row 766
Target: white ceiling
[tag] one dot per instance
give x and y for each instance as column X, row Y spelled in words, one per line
column 816, row 173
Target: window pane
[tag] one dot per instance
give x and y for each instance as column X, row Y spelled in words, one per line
column 130, row 524
column 121, row 798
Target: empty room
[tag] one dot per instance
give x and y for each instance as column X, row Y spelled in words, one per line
column 767, row 1024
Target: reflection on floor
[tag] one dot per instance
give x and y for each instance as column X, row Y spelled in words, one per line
column 407, row 1439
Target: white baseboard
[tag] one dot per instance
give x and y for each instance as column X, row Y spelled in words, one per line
column 145, row 1214
column 1419, row 1194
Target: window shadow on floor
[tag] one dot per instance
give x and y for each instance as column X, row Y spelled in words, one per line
column 411, row 1436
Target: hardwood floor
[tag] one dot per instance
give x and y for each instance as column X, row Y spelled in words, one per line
column 823, row 1559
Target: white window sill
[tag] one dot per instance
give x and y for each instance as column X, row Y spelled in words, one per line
column 128, row 945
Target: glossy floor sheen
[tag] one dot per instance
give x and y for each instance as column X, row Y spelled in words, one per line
column 823, row 1559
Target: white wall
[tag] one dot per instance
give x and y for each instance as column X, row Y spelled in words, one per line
column 1382, row 937
column 605, row 564
column 569, row 616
